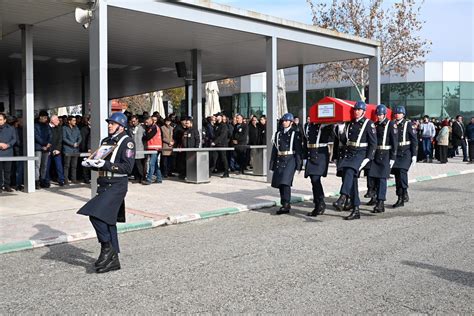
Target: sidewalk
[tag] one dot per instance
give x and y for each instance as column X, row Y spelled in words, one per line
column 49, row 216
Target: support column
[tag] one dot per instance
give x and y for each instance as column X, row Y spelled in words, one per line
column 302, row 92
column 374, row 78
column 11, row 101
column 98, row 79
column 271, row 72
column 28, row 106
column 197, row 92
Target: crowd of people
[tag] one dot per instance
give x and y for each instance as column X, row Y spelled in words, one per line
column 60, row 140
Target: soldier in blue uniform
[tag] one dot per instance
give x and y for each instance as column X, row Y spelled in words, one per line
column 317, row 154
column 406, row 155
column 361, row 141
column 387, row 143
column 285, row 160
column 108, row 206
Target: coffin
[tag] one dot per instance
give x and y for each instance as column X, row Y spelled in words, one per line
column 330, row 110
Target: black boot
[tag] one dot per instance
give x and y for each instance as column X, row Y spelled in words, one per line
column 369, row 194
column 226, row 174
column 111, row 265
column 105, row 252
column 406, row 198
column 372, row 201
column 315, row 211
column 284, row 209
column 37, row 185
column 379, row 207
column 348, row 206
column 399, row 202
column 355, row 214
column 322, row 207
column 339, row 204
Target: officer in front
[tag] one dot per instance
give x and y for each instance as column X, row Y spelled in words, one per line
column 387, row 143
column 285, row 160
column 406, row 154
column 317, row 163
column 361, row 141
column 108, row 206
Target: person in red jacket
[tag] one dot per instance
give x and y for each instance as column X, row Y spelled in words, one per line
column 153, row 142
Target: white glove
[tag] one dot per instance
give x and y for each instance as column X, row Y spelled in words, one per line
column 364, row 162
column 98, row 163
column 392, row 162
column 86, row 163
column 413, row 160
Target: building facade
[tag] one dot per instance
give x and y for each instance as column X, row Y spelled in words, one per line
column 438, row 89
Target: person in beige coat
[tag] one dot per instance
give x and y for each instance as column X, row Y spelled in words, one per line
column 168, row 143
column 443, row 142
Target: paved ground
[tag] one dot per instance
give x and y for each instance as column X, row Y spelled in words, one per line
column 413, row 260
column 49, row 213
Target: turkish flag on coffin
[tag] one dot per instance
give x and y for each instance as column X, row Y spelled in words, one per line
column 330, row 110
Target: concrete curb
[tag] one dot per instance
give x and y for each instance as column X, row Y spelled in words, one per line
column 172, row 220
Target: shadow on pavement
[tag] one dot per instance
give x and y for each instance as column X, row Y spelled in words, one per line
column 66, row 253
column 461, row 277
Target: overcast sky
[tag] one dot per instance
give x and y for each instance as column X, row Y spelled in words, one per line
column 449, row 23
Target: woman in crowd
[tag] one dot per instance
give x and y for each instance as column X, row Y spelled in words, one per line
column 443, row 141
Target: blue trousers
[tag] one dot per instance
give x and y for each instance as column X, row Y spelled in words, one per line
column 380, row 187
column 154, row 168
column 318, row 191
column 285, row 194
column 401, row 180
column 427, row 148
column 105, row 232
column 59, row 168
column 350, row 185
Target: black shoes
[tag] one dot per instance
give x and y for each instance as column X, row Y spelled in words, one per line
column 379, row 207
column 406, row 198
column 7, row 188
column 322, row 207
column 284, row 209
column 225, row 175
column 339, row 204
column 108, row 259
column 372, row 201
column 355, row 214
column 399, row 203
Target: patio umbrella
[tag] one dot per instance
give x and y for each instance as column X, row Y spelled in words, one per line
column 282, row 107
column 212, row 99
column 157, row 103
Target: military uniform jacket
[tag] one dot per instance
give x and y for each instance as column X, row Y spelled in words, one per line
column 112, row 184
column 407, row 144
column 286, row 157
column 315, row 149
column 387, row 143
column 360, row 143
column 241, row 135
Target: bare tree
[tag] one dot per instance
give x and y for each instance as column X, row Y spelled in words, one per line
column 175, row 96
column 137, row 104
column 396, row 27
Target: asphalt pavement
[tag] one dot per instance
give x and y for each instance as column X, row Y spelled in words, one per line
column 418, row 259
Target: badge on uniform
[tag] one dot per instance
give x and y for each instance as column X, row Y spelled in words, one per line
column 240, row 130
column 129, row 153
column 130, row 145
column 373, row 128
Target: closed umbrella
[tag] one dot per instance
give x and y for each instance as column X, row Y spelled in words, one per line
column 212, row 99
column 282, row 107
column 157, row 103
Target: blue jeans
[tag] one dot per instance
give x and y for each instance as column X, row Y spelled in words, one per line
column 59, row 168
column 427, row 148
column 154, row 168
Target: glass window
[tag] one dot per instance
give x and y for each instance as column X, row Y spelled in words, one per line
column 398, row 91
column 385, row 92
column 342, row 93
column 433, row 90
column 467, row 90
column 451, row 90
column 256, row 103
column 415, row 90
column 466, row 106
column 415, row 108
column 434, row 108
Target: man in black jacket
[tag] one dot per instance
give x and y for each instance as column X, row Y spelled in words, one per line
column 459, row 136
column 56, row 152
column 240, row 141
column 221, row 139
column 85, row 146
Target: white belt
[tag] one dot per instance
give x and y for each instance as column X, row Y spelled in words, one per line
column 384, row 147
column 317, row 146
column 404, row 143
column 285, row 153
column 354, row 144
column 109, row 174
